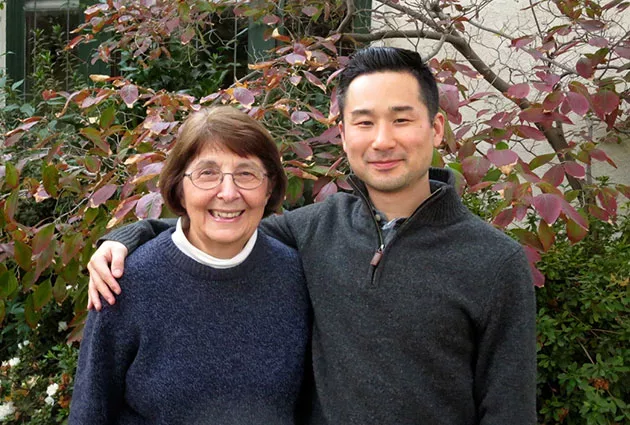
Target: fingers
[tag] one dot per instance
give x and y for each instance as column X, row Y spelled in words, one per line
column 102, row 281
column 119, row 252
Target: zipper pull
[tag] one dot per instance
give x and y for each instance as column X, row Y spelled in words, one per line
column 377, row 256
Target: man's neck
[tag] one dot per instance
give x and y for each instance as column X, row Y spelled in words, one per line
column 399, row 204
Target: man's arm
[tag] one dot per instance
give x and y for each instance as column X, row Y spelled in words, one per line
column 505, row 373
column 107, row 350
column 107, row 263
column 277, row 226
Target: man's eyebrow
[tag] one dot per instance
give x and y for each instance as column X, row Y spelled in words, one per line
column 358, row 112
column 402, row 108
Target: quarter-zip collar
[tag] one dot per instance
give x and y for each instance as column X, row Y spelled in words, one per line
column 430, row 212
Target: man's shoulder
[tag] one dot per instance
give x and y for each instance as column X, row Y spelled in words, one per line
column 333, row 204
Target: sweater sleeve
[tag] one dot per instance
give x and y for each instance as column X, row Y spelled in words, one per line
column 107, row 350
column 277, row 226
column 135, row 234
column 505, row 374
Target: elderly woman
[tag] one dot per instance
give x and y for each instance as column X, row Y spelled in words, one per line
column 213, row 325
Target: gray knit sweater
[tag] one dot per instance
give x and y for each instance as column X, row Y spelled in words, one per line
column 187, row 344
column 440, row 331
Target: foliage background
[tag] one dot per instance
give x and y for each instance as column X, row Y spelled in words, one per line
column 76, row 161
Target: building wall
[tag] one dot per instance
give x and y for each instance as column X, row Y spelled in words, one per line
column 3, row 38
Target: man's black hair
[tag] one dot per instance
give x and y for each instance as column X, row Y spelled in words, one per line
column 390, row 59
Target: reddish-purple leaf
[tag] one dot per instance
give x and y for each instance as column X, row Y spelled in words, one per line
column 578, row 103
column 608, row 201
column 600, row 155
column 148, row 172
column 102, row 195
column 295, row 79
column 42, row 238
column 591, row 25
column 122, row 210
column 149, row 206
column 624, row 52
column 548, row 206
column 187, row 35
column 624, row 190
column 604, row 102
column 475, row 168
column 129, row 94
column 502, row 157
column 554, row 175
column 553, row 100
column 532, row 255
column 584, row 68
column 574, row 169
column 575, row 232
column 270, row 19
column 295, row 58
column 538, row 277
column 504, row 218
column 574, row 215
column 528, row 132
column 519, row 91
column 299, row 117
column 598, row 213
column 302, row 150
column 598, row 42
column 533, row 114
column 521, row 41
column 244, row 96
column 329, row 188
column 310, row 11
column 315, row 81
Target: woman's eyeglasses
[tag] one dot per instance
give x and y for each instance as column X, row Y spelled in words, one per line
column 209, row 178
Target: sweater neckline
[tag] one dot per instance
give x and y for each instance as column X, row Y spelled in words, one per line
column 184, row 264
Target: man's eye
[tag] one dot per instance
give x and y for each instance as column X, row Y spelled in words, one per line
column 401, row 120
column 364, row 123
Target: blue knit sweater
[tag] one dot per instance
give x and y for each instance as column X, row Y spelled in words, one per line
column 189, row 344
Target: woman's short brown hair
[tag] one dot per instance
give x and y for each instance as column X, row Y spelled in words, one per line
column 226, row 128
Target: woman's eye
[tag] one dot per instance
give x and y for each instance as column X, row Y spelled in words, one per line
column 208, row 173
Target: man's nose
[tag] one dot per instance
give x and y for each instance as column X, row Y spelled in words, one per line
column 384, row 137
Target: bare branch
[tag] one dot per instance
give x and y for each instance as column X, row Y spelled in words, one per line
column 411, row 12
column 347, row 18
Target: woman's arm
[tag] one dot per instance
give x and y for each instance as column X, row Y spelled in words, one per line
column 107, row 350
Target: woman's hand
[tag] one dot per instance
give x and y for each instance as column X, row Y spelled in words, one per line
column 102, row 278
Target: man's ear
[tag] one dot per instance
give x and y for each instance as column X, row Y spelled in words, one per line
column 438, row 129
column 343, row 138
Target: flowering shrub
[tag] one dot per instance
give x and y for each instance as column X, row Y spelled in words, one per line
column 36, row 386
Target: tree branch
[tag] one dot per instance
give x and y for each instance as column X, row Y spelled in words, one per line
column 346, row 19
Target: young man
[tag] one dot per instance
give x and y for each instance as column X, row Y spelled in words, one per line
column 423, row 313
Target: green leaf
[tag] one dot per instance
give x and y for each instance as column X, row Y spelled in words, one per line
column 23, row 255
column 72, row 244
column 295, row 189
column 96, row 137
column 8, row 285
column 59, row 290
column 31, row 316
column 42, row 238
column 50, row 176
column 12, row 176
column 42, row 295
column 2, row 312
column 107, row 117
column 45, row 258
column 11, row 204
column 541, row 160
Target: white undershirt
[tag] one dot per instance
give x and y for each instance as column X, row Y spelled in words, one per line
column 184, row 245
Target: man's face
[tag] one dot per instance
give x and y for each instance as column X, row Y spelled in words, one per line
column 386, row 133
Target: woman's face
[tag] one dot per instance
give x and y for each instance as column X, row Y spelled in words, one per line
column 223, row 219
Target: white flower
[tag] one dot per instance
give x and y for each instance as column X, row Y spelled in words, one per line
column 23, row 344
column 6, row 409
column 68, row 287
column 49, row 400
column 52, row 389
column 14, row 362
column 63, row 326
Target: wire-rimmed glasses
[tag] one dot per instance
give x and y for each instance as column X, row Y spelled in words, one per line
column 209, row 178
